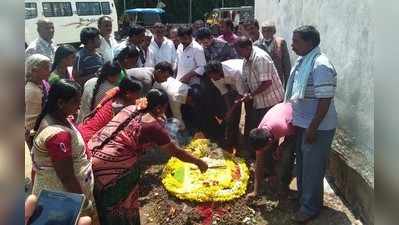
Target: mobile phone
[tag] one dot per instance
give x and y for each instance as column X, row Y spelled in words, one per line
column 57, row 208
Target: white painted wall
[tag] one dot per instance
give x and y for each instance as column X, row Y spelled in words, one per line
column 346, row 38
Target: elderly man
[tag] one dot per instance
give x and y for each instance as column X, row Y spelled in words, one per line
column 148, row 53
column 162, row 48
column 44, row 44
column 277, row 49
column 311, row 89
column 108, row 42
column 260, row 76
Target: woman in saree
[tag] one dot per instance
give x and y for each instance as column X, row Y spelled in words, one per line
column 59, row 155
column 114, row 100
column 116, row 152
column 94, row 89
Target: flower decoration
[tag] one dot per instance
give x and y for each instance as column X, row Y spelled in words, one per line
column 226, row 179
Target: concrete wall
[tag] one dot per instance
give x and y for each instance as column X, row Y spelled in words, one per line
column 346, row 38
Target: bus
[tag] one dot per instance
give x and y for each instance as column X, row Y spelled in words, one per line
column 69, row 17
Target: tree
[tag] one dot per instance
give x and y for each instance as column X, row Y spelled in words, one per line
column 177, row 10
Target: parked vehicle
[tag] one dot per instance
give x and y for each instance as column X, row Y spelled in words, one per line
column 69, row 17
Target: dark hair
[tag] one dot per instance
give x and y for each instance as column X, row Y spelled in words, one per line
column 228, row 23
column 184, row 30
column 213, row 67
column 203, row 33
column 252, row 22
column 164, row 67
column 107, row 70
column 88, row 33
column 136, row 30
column 61, row 53
column 259, row 138
column 309, row 33
column 129, row 84
column 243, row 42
column 101, row 20
column 129, row 51
column 155, row 98
column 63, row 89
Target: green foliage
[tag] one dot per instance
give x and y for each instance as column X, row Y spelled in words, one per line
column 177, row 10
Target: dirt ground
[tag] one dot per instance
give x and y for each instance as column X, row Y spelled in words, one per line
column 160, row 208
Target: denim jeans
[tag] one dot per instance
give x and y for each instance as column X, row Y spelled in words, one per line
column 311, row 162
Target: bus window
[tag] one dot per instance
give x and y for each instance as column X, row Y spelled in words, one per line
column 30, row 10
column 57, row 9
column 106, row 8
column 88, row 8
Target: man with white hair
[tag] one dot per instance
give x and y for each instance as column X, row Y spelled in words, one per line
column 276, row 47
column 44, row 44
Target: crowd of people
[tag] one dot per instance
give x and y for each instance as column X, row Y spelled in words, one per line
column 92, row 112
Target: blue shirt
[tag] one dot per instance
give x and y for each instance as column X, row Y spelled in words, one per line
column 322, row 83
column 86, row 64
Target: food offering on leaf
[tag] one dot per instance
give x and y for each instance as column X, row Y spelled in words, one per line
column 226, row 177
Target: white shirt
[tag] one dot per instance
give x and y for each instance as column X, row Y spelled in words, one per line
column 107, row 48
column 177, row 94
column 232, row 70
column 166, row 52
column 41, row 46
column 149, row 58
column 190, row 58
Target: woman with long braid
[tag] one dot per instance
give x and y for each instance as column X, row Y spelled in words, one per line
column 116, row 150
column 59, row 154
column 94, row 89
column 114, row 100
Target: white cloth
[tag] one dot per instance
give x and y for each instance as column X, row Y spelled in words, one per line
column 177, row 94
column 166, row 52
column 107, row 48
column 149, row 58
column 41, row 46
column 232, row 70
column 190, row 58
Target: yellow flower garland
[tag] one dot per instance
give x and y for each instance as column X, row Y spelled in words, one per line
column 226, row 181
